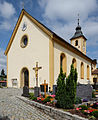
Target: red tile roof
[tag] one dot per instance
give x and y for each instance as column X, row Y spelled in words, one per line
column 95, row 71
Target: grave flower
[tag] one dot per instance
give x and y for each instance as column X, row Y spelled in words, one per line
column 38, row 98
column 91, row 110
column 78, row 108
column 53, row 96
column 42, row 99
column 86, row 111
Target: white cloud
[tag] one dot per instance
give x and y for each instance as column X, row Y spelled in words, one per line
column 67, row 9
column 8, row 24
column 61, row 17
column 5, row 25
column 2, row 60
column 7, row 10
column 7, row 16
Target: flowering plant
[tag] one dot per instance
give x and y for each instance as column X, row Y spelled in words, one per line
column 88, row 111
column 78, row 108
column 53, row 96
column 38, row 98
column 42, row 99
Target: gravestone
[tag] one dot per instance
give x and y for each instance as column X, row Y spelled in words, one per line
column 54, row 89
column 84, row 91
column 25, row 91
column 36, row 91
column 14, row 83
column 42, row 88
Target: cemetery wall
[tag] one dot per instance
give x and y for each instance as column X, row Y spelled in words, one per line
column 57, row 114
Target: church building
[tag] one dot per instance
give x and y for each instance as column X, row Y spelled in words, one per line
column 33, row 44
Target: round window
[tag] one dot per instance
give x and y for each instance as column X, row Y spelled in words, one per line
column 24, row 41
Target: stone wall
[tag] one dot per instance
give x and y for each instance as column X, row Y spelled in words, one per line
column 57, row 114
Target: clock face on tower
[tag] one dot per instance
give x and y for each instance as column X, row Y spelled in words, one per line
column 24, row 26
column 83, row 48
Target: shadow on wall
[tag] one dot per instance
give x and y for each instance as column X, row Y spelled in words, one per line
column 4, row 118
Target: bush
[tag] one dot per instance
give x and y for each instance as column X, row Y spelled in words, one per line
column 61, row 90
column 78, row 100
column 71, row 83
column 32, row 88
column 95, row 114
column 84, row 107
column 47, row 99
column 95, row 105
column 66, row 93
column 91, row 118
column 93, row 95
column 34, row 98
column 31, row 95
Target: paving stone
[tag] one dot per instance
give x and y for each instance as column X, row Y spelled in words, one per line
column 16, row 109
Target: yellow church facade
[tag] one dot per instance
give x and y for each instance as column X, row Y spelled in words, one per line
column 32, row 42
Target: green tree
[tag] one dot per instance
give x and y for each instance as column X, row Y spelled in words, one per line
column 71, row 83
column 66, row 93
column 60, row 93
column 2, row 72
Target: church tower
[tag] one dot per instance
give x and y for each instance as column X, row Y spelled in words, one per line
column 79, row 40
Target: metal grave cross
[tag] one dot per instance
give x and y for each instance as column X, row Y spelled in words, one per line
column 36, row 72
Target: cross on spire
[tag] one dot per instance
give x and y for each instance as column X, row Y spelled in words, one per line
column 23, row 4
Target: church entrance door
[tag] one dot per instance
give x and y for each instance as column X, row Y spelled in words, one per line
column 24, row 78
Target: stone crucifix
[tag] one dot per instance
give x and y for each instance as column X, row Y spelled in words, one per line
column 36, row 72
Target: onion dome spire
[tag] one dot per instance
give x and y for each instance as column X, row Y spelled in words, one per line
column 78, row 32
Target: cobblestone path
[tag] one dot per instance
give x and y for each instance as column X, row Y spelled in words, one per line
column 12, row 108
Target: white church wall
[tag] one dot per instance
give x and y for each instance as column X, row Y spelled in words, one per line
column 37, row 50
column 58, row 49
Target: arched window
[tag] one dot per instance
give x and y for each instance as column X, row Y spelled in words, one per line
column 63, row 62
column 76, row 43
column 74, row 62
column 88, row 72
column 82, row 70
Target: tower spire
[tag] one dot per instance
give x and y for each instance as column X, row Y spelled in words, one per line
column 78, row 19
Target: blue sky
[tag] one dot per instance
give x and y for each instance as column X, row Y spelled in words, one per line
column 58, row 15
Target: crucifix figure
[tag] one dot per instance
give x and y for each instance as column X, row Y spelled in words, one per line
column 36, row 73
